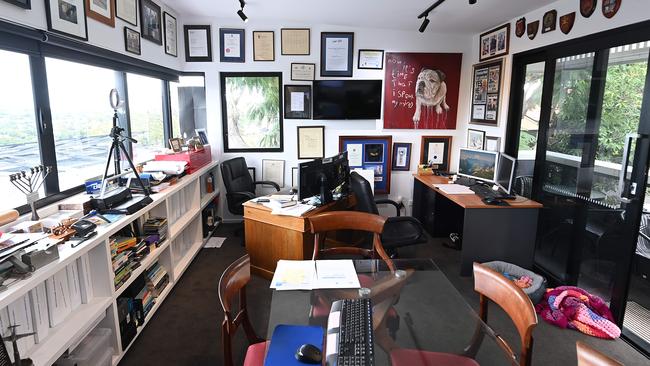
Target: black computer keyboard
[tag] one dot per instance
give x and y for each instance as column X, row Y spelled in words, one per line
column 355, row 338
column 484, row 192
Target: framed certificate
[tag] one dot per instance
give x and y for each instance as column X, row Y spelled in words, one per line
column 297, row 101
column 371, row 59
column 263, row 46
column 232, row 45
column 295, row 41
column 435, row 152
column 198, row 43
column 311, row 142
column 303, row 72
column 171, row 37
column 336, row 53
column 127, row 10
column 273, row 170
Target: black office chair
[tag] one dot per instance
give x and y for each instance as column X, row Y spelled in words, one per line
column 239, row 184
column 398, row 231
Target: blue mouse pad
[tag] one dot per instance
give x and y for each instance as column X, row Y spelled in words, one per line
column 287, row 339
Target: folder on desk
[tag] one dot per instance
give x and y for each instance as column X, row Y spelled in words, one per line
column 287, row 339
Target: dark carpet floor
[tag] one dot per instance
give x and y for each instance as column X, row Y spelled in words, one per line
column 186, row 331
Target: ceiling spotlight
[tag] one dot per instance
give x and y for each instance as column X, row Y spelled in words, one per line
column 242, row 3
column 424, row 25
column 471, row 2
column 242, row 15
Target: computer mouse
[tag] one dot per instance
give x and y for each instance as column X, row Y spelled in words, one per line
column 308, row 353
column 491, row 201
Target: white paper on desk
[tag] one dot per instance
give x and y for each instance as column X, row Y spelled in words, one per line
column 454, row 188
column 294, row 275
column 296, row 210
column 336, row 274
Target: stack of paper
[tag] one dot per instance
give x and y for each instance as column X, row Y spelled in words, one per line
column 454, row 188
column 296, row 210
column 309, row 275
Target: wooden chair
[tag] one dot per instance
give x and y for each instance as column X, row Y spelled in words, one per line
column 233, row 282
column 588, row 356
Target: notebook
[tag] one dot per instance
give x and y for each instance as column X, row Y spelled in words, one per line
column 287, row 339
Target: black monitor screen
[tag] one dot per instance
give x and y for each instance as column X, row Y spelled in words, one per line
column 506, row 172
column 347, row 99
column 335, row 170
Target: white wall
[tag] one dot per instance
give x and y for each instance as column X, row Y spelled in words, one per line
column 388, row 40
column 100, row 34
column 631, row 11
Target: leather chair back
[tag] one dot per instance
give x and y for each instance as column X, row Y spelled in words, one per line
column 363, row 192
column 236, row 178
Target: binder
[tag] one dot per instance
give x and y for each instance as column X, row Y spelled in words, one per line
column 41, row 319
column 287, row 339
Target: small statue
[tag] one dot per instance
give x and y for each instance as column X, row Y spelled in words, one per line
column 30, row 183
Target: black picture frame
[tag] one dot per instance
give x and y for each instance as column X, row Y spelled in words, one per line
column 359, row 66
column 397, row 148
column 25, row 4
column 51, row 26
column 149, row 30
column 242, row 45
column 119, row 4
column 224, row 111
column 446, row 152
column 472, row 133
column 306, row 90
column 490, row 43
column 167, row 46
column 186, row 37
column 127, row 48
column 324, row 36
column 301, row 154
column 487, row 81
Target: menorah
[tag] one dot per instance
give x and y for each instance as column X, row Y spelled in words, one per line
column 29, row 183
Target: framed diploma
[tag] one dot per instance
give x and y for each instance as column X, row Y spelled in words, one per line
column 198, row 43
column 127, row 10
column 303, row 72
column 297, row 101
column 232, row 45
column 336, row 53
column 371, row 59
column 435, row 151
column 311, row 142
column 273, row 170
column 263, row 46
column 171, row 36
column 295, row 41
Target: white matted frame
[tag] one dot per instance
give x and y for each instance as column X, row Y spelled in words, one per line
column 273, row 170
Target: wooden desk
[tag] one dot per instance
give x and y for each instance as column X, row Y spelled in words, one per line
column 270, row 238
column 488, row 232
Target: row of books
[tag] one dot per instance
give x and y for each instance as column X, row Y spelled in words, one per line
column 47, row 305
column 123, row 258
column 156, row 226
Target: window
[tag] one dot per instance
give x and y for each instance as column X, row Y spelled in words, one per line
column 81, row 119
column 18, row 137
column 188, row 105
column 146, row 116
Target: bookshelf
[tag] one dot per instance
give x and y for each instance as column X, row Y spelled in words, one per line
column 181, row 204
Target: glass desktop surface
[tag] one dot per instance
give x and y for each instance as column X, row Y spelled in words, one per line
column 433, row 315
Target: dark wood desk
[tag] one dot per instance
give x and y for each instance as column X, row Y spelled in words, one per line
column 488, row 232
column 270, row 238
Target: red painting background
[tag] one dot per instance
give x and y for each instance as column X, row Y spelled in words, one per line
column 402, row 70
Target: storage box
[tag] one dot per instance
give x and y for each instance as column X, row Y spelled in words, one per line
column 91, row 351
column 195, row 159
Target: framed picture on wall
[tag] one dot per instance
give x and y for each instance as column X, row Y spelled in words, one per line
column 171, row 34
column 402, row 156
column 131, row 41
column 492, row 143
column 263, row 46
column 370, row 153
column 297, row 101
column 233, row 46
column 151, row 21
column 294, row 177
column 486, row 92
column 295, row 41
column 371, row 59
column 101, row 11
column 273, row 171
column 336, row 53
column 303, row 72
column 198, row 43
column 475, row 139
column 311, row 142
column 435, row 151
column 67, row 18
column 127, row 10
column 25, row 4
column 494, row 43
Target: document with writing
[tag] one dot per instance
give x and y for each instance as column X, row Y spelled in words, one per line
column 309, row 275
column 336, row 274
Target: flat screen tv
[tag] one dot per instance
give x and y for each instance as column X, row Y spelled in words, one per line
column 347, row 99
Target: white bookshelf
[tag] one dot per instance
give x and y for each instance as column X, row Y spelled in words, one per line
column 182, row 204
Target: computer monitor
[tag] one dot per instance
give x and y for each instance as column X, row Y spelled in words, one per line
column 506, row 172
column 321, row 176
column 478, row 164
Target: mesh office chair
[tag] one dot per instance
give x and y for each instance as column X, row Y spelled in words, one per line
column 239, row 184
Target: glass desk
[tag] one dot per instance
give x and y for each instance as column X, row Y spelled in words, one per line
column 414, row 307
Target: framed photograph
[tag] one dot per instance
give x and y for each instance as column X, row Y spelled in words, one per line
column 371, row 59
column 297, row 101
column 303, row 72
column 132, row 41
column 171, row 34
column 25, row 4
column 175, row 144
column 435, row 151
column 295, row 41
column 252, row 123
column 102, row 11
column 370, row 153
column 263, row 46
column 336, row 53
column 67, row 17
column 198, row 43
column 151, row 21
column 294, row 177
column 486, row 92
column 232, row 45
column 127, row 10
column 492, row 143
column 475, row 139
column 252, row 172
column 203, row 135
column 549, row 21
column 311, row 142
column 494, row 43
column 402, row 156
column 273, row 170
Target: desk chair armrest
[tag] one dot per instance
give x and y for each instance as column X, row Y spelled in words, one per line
column 241, row 196
column 267, row 182
column 385, row 201
column 408, row 220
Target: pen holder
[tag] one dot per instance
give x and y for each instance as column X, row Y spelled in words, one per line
column 31, row 201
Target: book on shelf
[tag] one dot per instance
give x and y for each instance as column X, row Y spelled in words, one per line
column 85, row 278
column 41, row 320
column 156, row 226
column 72, row 273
